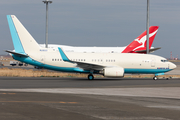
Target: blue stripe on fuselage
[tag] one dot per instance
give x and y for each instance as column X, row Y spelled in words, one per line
column 30, row 61
column 145, row 71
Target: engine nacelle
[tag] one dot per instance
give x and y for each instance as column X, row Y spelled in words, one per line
column 114, row 72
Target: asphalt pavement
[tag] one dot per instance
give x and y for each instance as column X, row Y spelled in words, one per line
column 44, row 98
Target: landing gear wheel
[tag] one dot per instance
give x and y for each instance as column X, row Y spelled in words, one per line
column 155, row 78
column 90, row 77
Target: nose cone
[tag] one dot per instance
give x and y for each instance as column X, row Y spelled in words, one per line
column 172, row 66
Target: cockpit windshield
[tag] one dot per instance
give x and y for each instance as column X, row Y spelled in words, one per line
column 164, row 60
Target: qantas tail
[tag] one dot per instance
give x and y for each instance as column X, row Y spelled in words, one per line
column 139, row 44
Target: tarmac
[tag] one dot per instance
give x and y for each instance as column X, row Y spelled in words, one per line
column 81, row 99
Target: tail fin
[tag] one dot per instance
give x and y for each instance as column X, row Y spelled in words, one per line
column 23, row 42
column 140, row 42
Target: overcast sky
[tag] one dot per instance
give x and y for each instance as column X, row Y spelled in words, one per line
column 108, row 23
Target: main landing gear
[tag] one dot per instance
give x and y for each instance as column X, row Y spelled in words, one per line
column 90, row 77
column 155, row 78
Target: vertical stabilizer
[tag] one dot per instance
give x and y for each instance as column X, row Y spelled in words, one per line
column 140, row 42
column 22, row 40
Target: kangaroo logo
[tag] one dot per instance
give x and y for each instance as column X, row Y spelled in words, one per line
column 142, row 41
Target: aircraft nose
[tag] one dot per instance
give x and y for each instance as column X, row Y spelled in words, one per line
column 172, row 66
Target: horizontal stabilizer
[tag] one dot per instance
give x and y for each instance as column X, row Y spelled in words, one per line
column 15, row 53
column 150, row 50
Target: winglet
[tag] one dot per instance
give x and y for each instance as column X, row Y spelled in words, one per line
column 63, row 55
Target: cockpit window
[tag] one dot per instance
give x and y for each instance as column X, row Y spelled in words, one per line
column 164, row 60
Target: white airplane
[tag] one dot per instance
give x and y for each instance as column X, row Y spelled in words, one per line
column 137, row 46
column 27, row 50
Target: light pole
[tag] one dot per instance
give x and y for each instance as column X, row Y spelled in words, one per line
column 147, row 27
column 46, row 2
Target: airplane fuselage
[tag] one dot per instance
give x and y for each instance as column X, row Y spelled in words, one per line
column 131, row 63
column 86, row 49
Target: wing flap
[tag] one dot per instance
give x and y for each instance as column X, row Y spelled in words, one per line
column 89, row 66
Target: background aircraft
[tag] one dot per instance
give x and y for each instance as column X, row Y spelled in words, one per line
column 137, row 46
column 27, row 50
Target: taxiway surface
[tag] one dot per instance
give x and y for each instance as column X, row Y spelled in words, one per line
column 80, row 99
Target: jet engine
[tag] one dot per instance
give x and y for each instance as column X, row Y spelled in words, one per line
column 113, row 72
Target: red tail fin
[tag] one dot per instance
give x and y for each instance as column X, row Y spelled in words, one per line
column 140, row 42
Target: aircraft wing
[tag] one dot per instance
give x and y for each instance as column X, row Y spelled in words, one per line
column 83, row 65
column 89, row 66
column 15, row 53
column 150, row 50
